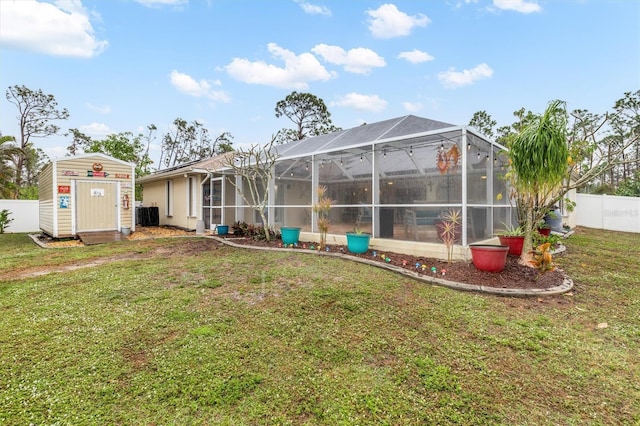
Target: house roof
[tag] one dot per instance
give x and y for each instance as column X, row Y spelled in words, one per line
column 200, row 166
column 403, row 130
column 387, row 130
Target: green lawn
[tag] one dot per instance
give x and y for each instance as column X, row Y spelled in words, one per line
column 185, row 331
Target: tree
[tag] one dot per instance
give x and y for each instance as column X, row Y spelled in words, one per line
column 630, row 187
column 79, row 141
column 127, row 147
column 8, row 152
column 255, row 165
column 483, row 123
column 538, row 163
column 34, row 160
column 309, row 114
column 36, row 111
column 599, row 147
column 187, row 142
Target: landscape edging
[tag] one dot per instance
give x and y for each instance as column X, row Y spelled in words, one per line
column 567, row 283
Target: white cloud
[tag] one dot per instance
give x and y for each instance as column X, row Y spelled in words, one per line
column 358, row 61
column 60, row 29
column 388, row 22
column 521, row 6
column 416, row 56
column 453, row 78
column 96, row 130
column 199, row 89
column 298, row 70
column 313, row 9
column 357, row 101
column 99, row 109
column 412, row 107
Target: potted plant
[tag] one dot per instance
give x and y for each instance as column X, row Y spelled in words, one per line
column 512, row 237
column 488, row 257
column 538, row 166
column 358, row 241
column 544, row 228
column 290, row 234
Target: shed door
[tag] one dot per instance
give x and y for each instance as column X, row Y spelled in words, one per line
column 96, row 206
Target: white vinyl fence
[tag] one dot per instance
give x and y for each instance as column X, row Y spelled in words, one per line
column 608, row 212
column 25, row 215
column 593, row 211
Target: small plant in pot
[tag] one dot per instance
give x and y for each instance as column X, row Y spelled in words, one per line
column 544, row 229
column 358, row 241
column 512, row 237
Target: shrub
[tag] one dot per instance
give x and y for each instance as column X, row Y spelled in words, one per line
column 5, row 220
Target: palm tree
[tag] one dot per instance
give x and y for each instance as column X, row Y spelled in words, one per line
column 538, row 160
column 8, row 151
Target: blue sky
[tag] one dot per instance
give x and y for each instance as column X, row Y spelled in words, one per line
column 120, row 65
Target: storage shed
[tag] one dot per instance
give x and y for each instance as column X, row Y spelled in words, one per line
column 87, row 193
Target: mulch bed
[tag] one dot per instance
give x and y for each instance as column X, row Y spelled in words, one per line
column 514, row 276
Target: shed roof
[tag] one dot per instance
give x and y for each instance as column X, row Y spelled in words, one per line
column 91, row 155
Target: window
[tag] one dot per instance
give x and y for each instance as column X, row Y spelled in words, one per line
column 168, row 198
column 192, row 196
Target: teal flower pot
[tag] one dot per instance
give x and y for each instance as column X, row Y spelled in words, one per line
column 358, row 243
column 223, row 229
column 290, row 235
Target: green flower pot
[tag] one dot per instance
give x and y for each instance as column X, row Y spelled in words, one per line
column 290, row 235
column 358, row 243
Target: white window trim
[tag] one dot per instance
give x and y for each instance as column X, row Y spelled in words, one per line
column 192, row 197
column 168, row 198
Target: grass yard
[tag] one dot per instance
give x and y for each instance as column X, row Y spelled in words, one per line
column 187, row 331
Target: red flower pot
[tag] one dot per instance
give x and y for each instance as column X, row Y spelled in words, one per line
column 489, row 258
column 514, row 242
column 544, row 231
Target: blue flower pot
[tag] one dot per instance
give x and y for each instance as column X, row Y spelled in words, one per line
column 290, row 235
column 358, row 243
column 223, row 229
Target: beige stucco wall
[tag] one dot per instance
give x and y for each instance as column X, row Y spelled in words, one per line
column 154, row 195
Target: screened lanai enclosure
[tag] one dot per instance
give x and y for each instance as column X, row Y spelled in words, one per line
column 394, row 179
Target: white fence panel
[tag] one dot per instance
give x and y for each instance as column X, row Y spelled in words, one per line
column 608, row 212
column 25, row 215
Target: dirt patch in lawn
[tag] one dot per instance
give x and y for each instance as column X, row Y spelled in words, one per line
column 514, row 276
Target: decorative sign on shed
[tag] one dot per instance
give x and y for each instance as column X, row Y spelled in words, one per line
column 64, row 189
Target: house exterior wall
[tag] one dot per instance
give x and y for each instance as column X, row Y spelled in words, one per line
column 155, row 195
column 58, row 185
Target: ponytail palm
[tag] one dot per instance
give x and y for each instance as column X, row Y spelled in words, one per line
column 538, row 157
